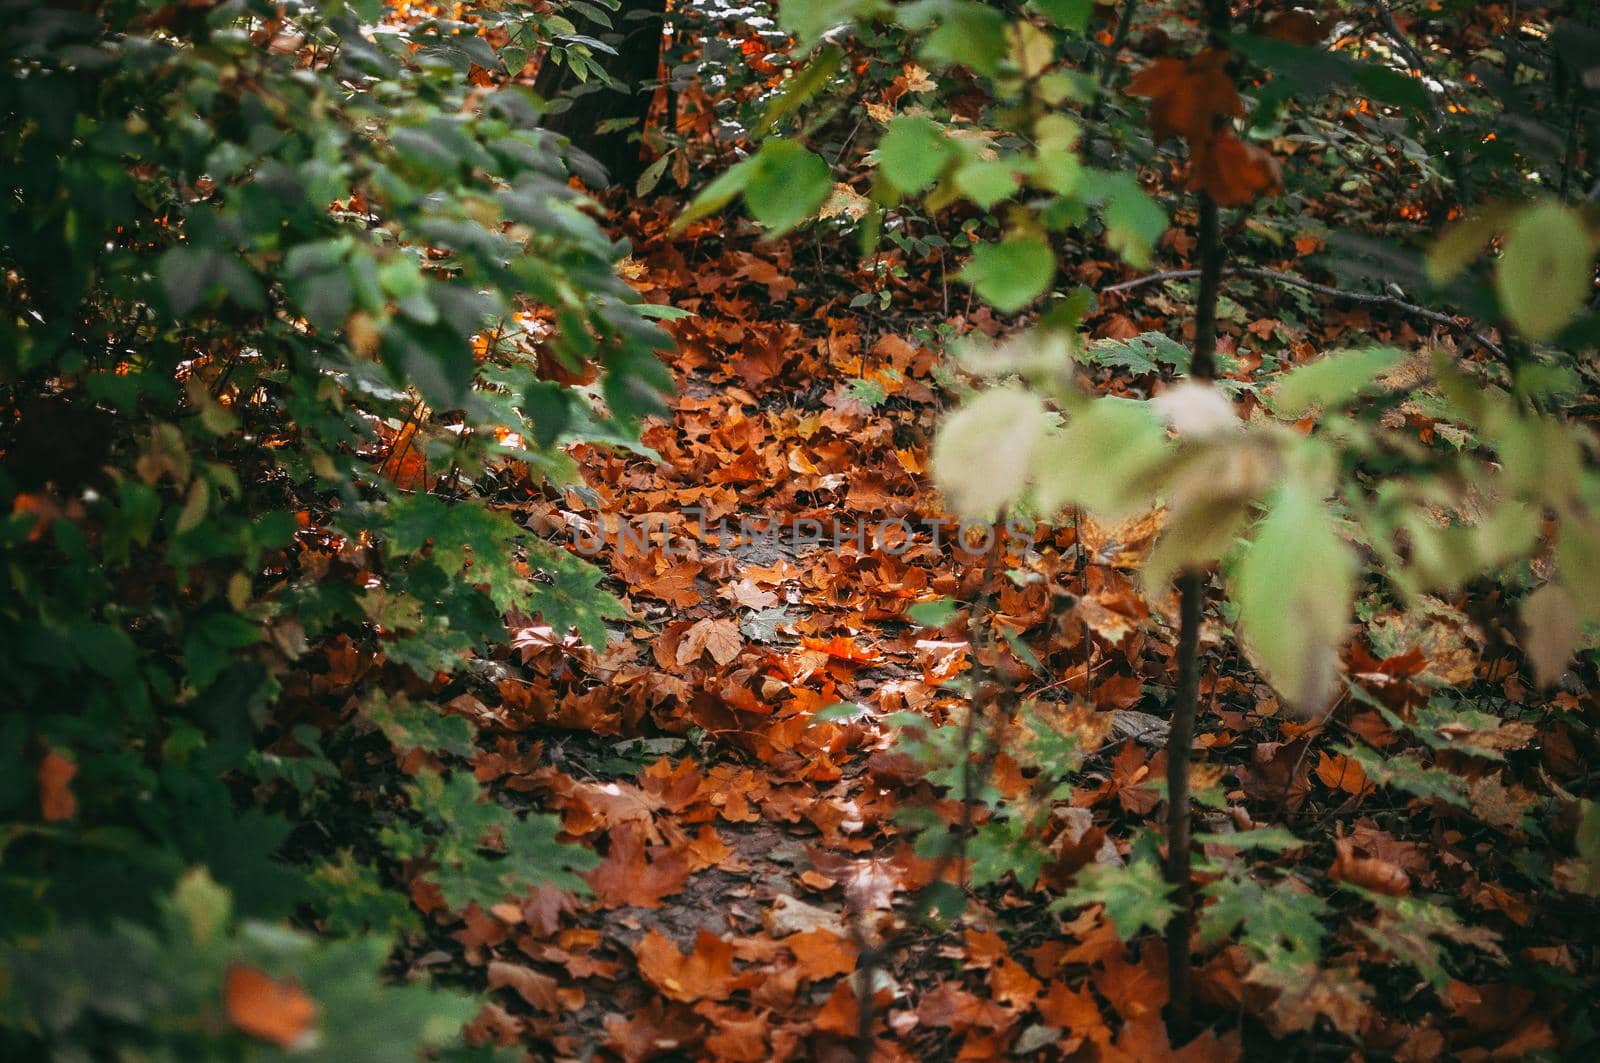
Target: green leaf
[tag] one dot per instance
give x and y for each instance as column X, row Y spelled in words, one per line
column 1135, row 897
column 408, row 726
column 801, row 87
column 659, row 312
column 841, row 712
column 1294, row 588
column 1147, row 353
column 1545, row 272
column 1332, row 380
column 1405, row 772
column 969, row 34
column 716, row 195
column 1281, row 923
column 912, row 153
column 1068, row 14
column 809, row 20
column 1415, row 931
column 1133, row 220
column 1270, row 839
column 786, row 185
column 983, row 454
column 1010, row 275
column 987, row 181
column 568, row 596
column 936, row 613
column 1104, row 460
column 1462, row 244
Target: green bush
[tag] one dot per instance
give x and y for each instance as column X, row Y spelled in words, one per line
column 267, row 277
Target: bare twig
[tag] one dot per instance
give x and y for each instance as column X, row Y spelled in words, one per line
column 1366, row 298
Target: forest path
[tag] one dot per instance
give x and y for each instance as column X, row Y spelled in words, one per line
column 748, row 850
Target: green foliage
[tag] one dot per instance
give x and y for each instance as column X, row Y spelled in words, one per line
column 1417, row 932
column 1543, row 275
column 1135, row 896
column 1332, row 381
column 1028, row 150
column 1279, row 923
column 985, row 452
column 1011, row 274
column 1296, row 566
column 455, row 824
column 242, row 291
column 157, row 985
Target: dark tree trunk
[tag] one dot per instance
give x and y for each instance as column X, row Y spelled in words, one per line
column 637, row 38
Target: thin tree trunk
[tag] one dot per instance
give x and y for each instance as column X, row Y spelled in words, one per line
column 1191, row 604
column 637, row 39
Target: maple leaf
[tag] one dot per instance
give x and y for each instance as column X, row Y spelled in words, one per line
column 1413, row 931
column 1134, row 989
column 658, row 1029
column 705, row 971
column 821, row 953
column 1145, row 1038
column 268, row 1009
column 1281, row 922
column 1308, row 993
column 738, row 1037
column 1074, row 1010
column 1135, row 896
column 635, row 876
column 719, row 637
column 843, row 648
column 1232, row 172
column 955, row 1008
column 747, row 595
column 1188, row 96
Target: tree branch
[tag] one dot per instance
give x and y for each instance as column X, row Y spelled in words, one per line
column 1366, row 298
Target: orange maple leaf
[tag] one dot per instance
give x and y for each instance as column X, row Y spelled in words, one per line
column 844, row 648
column 628, row 876
column 821, row 953
column 267, row 1009
column 704, row 972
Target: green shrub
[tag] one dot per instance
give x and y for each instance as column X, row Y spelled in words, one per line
column 266, row 278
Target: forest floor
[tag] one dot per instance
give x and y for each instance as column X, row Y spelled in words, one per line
column 753, row 857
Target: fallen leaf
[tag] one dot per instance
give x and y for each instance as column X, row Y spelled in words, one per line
column 538, row 990
column 704, row 971
column 821, row 953
column 720, row 638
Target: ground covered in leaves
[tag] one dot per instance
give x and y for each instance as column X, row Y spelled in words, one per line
column 752, row 857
